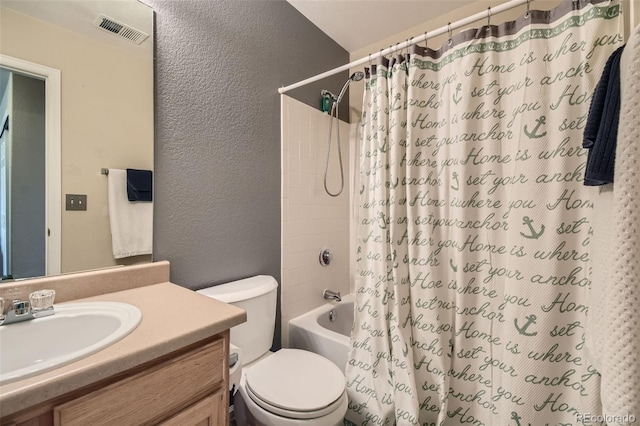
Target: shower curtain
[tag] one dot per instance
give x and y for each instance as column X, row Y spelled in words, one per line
column 474, row 227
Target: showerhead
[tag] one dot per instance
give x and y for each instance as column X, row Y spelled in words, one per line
column 356, row 76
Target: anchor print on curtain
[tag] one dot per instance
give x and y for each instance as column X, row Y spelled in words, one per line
column 474, row 227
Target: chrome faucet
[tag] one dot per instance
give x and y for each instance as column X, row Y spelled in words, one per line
column 332, row 295
column 40, row 304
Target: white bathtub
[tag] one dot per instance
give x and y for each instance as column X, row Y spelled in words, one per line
column 315, row 332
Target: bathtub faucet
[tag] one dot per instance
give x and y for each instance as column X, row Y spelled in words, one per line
column 328, row 294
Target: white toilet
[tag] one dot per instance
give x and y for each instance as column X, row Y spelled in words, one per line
column 287, row 387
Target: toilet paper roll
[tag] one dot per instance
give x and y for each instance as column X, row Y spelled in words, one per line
column 235, row 371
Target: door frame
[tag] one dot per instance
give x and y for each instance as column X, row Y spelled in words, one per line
column 53, row 184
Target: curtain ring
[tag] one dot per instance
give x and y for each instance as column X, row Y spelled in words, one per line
column 426, row 39
column 450, row 42
column 369, row 59
column 380, row 54
column 408, row 44
column 526, row 14
column 395, row 52
column 489, row 18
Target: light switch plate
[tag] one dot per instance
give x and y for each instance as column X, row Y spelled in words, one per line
column 76, row 202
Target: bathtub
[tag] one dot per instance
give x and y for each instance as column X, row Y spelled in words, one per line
column 315, row 332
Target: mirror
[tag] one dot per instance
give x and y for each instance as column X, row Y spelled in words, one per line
column 102, row 51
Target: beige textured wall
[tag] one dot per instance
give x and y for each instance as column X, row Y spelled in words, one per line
column 107, row 121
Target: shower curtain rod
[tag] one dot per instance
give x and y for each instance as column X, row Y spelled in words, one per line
column 414, row 40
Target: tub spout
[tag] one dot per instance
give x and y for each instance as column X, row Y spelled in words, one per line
column 332, row 295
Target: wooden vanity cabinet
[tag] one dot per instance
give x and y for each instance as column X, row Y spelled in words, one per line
column 210, row 411
column 188, row 387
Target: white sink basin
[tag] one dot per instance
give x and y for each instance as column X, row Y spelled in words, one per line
column 75, row 331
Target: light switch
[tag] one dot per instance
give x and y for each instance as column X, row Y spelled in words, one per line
column 76, row 202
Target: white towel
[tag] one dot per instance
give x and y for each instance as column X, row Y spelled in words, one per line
column 131, row 221
column 613, row 323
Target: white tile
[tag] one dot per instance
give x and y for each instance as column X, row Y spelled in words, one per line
column 289, row 251
column 297, row 195
column 313, row 219
column 308, row 165
column 295, row 276
column 298, row 259
column 304, row 180
column 324, row 225
column 298, row 242
column 311, row 243
column 306, row 226
column 315, row 212
column 296, row 211
column 294, row 180
column 304, row 128
column 293, row 130
column 294, row 164
column 294, row 112
column 306, row 271
column 313, row 146
column 308, row 258
column 297, row 292
column 294, row 148
column 304, row 146
column 295, row 227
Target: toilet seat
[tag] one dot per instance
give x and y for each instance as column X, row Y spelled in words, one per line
column 296, row 384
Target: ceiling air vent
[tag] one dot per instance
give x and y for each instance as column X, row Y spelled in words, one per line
column 120, row 29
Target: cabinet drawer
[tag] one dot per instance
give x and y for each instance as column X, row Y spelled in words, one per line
column 209, row 411
column 148, row 396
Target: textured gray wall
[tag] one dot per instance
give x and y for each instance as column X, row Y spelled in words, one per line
column 217, row 141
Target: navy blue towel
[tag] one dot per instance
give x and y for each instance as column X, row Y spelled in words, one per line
column 601, row 130
column 139, row 185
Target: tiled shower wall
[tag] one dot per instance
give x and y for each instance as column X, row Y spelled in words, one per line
column 311, row 219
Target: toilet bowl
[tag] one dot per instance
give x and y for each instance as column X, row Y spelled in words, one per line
column 292, row 387
column 284, row 388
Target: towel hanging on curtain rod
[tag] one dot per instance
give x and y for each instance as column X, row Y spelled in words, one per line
column 414, row 40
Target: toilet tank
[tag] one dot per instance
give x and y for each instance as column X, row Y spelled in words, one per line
column 257, row 296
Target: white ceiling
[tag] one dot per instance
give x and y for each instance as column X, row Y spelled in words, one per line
column 355, row 24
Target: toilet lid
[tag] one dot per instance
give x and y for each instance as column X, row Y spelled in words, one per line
column 296, row 380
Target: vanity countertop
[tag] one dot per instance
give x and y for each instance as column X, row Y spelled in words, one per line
column 172, row 317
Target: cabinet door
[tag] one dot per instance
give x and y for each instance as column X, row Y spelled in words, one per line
column 147, row 397
column 209, row 411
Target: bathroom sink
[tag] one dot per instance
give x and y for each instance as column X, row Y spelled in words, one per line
column 75, row 331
